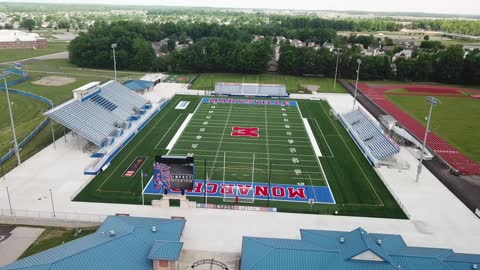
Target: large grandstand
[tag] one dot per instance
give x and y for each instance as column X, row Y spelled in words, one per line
column 107, row 116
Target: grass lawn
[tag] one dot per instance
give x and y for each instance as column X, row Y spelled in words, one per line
column 206, row 81
column 53, row 236
column 356, row 187
column 27, row 116
column 8, row 55
column 456, row 120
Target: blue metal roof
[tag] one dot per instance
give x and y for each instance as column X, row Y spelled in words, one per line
column 138, row 84
column 165, row 250
column 120, row 243
column 355, row 250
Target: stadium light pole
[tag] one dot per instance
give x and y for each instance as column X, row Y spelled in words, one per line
column 337, row 51
column 4, row 75
column 433, row 102
column 114, row 45
column 359, row 62
column 51, row 199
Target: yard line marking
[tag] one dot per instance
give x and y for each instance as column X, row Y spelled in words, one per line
column 351, row 153
column 165, row 134
column 221, row 139
column 260, row 144
column 320, row 164
column 206, row 150
column 325, row 139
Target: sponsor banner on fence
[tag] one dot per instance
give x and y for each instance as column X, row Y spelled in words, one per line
column 273, row 102
column 259, row 191
column 236, row 207
column 134, row 167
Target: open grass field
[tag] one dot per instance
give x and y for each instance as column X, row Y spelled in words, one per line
column 457, row 120
column 8, row 55
column 206, row 81
column 355, row 186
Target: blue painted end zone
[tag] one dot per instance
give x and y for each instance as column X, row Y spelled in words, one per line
column 274, row 102
column 278, row 192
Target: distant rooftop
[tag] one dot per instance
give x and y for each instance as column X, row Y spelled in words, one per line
column 16, row 35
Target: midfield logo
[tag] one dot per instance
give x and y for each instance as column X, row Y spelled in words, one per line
column 245, row 132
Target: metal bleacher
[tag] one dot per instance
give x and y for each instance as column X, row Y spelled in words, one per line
column 370, row 137
column 250, row 89
column 98, row 116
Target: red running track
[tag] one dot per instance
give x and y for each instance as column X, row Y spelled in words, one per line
column 447, row 152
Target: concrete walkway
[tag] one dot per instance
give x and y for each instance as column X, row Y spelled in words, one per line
column 438, row 218
column 20, row 239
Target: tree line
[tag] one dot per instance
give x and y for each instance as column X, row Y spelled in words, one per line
column 227, row 48
column 446, row 66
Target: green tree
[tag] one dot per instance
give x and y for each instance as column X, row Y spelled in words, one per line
column 143, row 55
column 28, row 24
column 171, row 45
column 449, row 67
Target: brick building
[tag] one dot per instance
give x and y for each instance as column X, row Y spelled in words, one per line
column 15, row 39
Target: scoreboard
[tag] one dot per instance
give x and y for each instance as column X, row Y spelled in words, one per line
column 174, row 172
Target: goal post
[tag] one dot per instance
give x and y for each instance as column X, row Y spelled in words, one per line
column 239, row 192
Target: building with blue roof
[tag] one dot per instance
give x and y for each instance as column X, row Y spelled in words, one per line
column 121, row 242
column 354, row 250
column 139, row 85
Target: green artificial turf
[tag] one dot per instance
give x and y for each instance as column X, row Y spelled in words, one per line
column 356, row 187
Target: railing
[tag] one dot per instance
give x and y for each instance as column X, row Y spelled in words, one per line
column 22, row 214
column 26, row 94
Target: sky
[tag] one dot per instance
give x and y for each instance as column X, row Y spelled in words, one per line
column 471, row 7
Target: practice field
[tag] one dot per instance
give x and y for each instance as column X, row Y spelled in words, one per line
column 295, row 84
column 243, row 141
column 180, row 78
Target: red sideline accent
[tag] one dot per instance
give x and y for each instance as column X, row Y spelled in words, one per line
column 447, row 152
column 475, row 96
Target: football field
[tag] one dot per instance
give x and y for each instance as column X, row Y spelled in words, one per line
column 252, row 143
column 296, row 152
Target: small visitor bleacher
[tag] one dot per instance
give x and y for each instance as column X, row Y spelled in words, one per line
column 370, row 137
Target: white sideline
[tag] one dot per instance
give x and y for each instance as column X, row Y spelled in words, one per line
column 313, row 141
column 179, row 132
